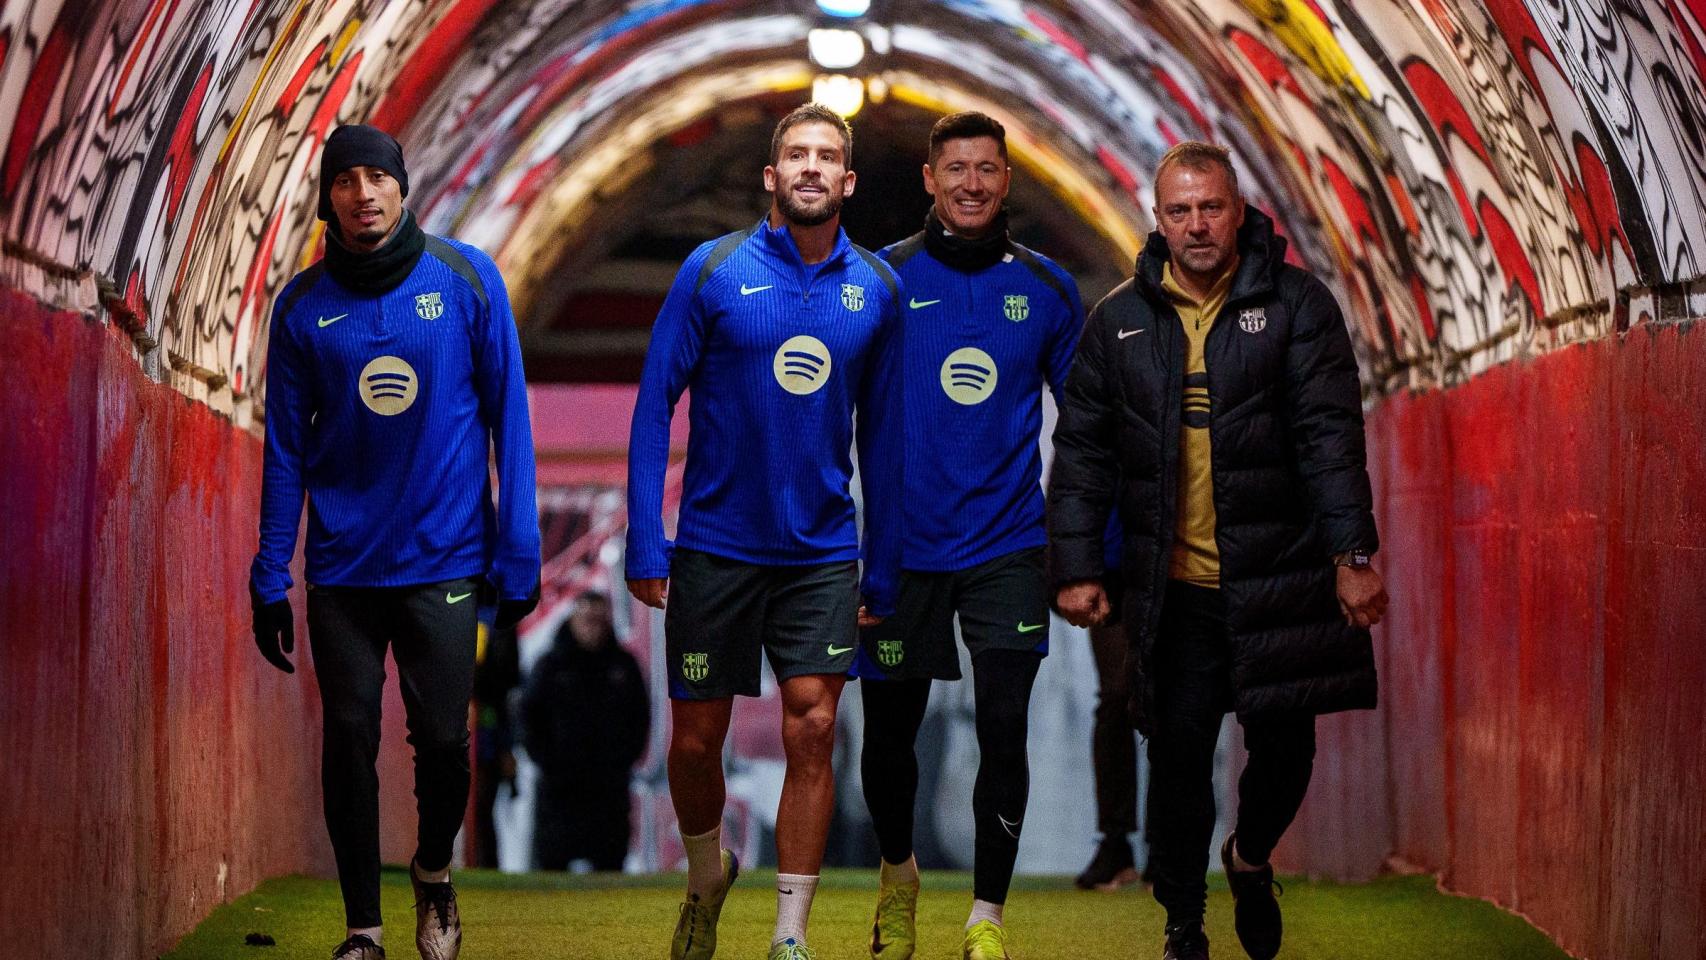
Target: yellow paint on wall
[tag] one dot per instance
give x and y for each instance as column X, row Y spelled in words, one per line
column 343, row 41
column 1310, row 39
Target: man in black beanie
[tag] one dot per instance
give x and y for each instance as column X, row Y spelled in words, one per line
column 393, row 369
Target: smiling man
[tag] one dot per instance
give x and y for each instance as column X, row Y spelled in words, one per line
column 393, row 370
column 780, row 331
column 989, row 324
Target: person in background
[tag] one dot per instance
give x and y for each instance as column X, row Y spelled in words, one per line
column 497, row 674
column 585, row 722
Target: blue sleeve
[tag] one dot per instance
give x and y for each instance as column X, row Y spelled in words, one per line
column 502, row 386
column 678, row 339
column 882, row 459
column 289, row 411
column 1063, row 340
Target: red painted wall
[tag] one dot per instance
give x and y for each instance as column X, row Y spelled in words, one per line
column 158, row 765
column 1540, row 741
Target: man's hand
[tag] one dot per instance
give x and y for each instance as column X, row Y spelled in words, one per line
column 866, row 619
column 653, row 591
column 1083, row 604
column 275, row 629
column 1362, row 596
column 512, row 612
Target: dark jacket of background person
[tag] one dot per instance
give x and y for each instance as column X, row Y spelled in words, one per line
column 1291, row 487
column 585, row 723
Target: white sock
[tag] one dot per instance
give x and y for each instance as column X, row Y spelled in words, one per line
column 430, row 876
column 892, row 873
column 794, row 893
column 376, row 934
column 704, row 861
column 984, row 910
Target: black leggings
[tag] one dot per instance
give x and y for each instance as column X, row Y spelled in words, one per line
column 894, row 709
column 433, row 642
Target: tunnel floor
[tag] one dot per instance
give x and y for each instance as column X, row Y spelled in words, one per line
column 583, row 918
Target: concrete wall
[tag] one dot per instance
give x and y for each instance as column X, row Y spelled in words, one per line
column 158, row 767
column 1544, row 664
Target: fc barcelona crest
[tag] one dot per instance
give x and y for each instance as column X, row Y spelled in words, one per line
column 428, row 306
column 1253, row 320
column 695, row 666
column 1017, row 307
column 852, row 297
column 889, row 652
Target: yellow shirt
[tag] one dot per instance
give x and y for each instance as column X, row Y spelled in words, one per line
column 1196, row 558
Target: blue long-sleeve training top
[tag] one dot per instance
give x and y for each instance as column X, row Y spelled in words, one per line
column 777, row 354
column 978, row 349
column 379, row 410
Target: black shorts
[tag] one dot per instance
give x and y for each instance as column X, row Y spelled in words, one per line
column 1002, row 605
column 721, row 612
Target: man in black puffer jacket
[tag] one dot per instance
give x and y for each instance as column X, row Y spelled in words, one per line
column 1214, row 400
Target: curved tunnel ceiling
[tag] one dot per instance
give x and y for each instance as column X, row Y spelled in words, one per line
column 1478, row 181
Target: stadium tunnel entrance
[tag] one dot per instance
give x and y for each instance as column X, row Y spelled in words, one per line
column 1481, row 184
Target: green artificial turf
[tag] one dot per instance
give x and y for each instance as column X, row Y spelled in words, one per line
column 521, row 917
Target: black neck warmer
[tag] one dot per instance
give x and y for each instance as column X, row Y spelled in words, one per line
column 966, row 256
column 382, row 270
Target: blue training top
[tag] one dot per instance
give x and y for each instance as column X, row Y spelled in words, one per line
column 379, row 409
column 777, row 354
column 978, row 349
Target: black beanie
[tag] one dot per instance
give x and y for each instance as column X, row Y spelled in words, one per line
column 358, row 145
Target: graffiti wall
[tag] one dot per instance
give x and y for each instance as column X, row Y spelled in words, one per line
column 1481, row 182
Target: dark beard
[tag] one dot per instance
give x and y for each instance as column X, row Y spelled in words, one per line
column 802, row 217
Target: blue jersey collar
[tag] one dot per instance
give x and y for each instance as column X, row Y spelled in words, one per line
column 780, row 242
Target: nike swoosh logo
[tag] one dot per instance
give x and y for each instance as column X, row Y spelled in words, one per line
column 1011, row 828
column 326, row 323
column 836, row 651
column 457, row 597
column 747, row 291
column 1131, row 333
column 786, row 893
column 1029, row 627
column 916, row 303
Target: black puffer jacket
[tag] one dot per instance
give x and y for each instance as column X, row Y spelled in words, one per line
column 1290, row 479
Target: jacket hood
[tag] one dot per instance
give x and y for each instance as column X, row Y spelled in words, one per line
column 1261, row 253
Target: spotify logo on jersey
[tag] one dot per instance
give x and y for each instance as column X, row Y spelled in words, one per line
column 802, row 365
column 968, row 376
column 388, row 386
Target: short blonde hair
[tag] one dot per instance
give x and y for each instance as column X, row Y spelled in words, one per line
column 1198, row 155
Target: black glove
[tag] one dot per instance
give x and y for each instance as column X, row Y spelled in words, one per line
column 512, row 612
column 275, row 630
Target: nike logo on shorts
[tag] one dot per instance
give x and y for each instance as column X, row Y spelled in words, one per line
column 1030, row 627
column 457, row 597
column 836, row 651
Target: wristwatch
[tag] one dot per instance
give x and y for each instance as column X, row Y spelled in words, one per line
column 1351, row 558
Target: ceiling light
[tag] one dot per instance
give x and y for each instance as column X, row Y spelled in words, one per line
column 835, row 49
column 844, row 8
column 839, row 92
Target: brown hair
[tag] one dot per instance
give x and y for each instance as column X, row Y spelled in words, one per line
column 965, row 126
column 812, row 113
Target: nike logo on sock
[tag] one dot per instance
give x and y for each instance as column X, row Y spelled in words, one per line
column 1011, row 828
